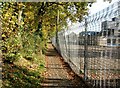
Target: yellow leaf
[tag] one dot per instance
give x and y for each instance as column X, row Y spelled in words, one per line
column 3, row 35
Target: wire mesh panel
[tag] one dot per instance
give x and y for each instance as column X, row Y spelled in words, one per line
column 94, row 53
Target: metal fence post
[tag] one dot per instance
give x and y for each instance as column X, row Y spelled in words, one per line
column 85, row 51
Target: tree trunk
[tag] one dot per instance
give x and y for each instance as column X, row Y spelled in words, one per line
column 57, row 23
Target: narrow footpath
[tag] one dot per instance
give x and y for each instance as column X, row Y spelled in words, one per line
column 58, row 74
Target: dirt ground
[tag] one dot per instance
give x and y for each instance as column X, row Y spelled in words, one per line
column 58, row 73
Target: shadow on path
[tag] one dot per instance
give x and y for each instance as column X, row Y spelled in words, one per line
column 58, row 74
column 51, row 52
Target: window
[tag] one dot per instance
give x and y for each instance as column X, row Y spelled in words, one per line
column 108, row 40
column 109, row 32
column 118, row 34
column 118, row 30
column 118, row 40
column 114, row 41
column 112, row 32
column 114, row 19
column 104, row 33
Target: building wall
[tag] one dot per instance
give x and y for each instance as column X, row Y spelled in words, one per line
column 94, row 21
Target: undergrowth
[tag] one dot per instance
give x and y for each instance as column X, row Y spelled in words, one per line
column 23, row 73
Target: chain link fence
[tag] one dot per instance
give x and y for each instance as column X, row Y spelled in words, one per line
column 93, row 54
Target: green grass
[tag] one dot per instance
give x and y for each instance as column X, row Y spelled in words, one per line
column 23, row 73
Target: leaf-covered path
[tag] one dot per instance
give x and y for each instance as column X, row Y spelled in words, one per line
column 58, row 74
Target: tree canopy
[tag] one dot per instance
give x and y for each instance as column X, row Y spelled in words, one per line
column 27, row 25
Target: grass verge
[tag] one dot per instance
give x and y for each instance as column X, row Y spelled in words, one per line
column 23, row 73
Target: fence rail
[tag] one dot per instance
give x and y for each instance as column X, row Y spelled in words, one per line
column 102, row 62
column 95, row 54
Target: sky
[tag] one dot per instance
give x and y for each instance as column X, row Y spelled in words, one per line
column 99, row 5
column 96, row 7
